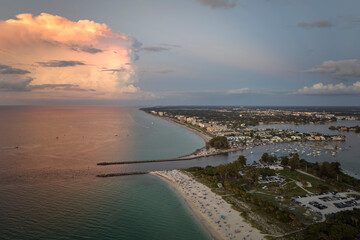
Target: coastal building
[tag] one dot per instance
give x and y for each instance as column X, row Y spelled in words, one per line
column 216, row 128
column 276, row 167
column 180, row 118
column 338, row 138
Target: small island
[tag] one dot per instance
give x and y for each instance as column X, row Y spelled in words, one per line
column 345, row 129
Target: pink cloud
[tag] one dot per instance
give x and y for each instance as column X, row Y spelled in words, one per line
column 29, row 40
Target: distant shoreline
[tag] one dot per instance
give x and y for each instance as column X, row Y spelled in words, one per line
column 205, row 137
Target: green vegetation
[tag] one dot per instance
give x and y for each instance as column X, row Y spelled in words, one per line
column 332, row 128
column 317, row 185
column 239, row 117
column 242, row 160
column 266, row 158
column 331, row 173
column 328, row 171
column 344, row 225
column 271, row 201
column 228, row 175
column 219, row 142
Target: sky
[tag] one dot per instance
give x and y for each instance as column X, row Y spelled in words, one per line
column 188, row 52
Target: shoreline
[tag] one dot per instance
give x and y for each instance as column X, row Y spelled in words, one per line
column 204, row 136
column 214, row 235
column 209, row 208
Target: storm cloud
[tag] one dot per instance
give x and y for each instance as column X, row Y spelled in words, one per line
column 341, row 68
column 58, row 63
column 5, row 69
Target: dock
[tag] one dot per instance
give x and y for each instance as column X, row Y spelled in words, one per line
column 148, row 161
column 185, row 158
column 121, row 174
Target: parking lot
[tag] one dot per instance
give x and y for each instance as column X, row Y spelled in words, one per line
column 329, row 203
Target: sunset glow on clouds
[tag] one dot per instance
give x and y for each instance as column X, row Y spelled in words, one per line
column 51, row 54
column 191, row 52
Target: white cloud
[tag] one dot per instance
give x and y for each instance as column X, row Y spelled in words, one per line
column 349, row 67
column 239, row 91
column 331, row 89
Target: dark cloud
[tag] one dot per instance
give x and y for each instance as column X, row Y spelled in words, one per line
column 164, row 71
column 135, row 57
column 114, row 70
column 219, row 3
column 341, row 68
column 23, row 85
column 57, row 63
column 136, row 43
column 20, row 85
column 88, row 49
column 5, row 69
column 171, row 45
column 317, row 24
column 153, row 49
column 67, row 87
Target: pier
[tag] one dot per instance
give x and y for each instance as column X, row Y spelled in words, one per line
column 120, row 174
column 185, row 158
column 147, row 161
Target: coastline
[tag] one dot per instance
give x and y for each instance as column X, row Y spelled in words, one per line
column 209, row 208
column 214, row 235
column 205, row 137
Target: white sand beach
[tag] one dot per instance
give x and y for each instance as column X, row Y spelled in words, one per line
column 214, row 213
column 204, row 136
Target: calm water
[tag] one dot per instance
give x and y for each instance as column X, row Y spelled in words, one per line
column 348, row 156
column 48, row 185
column 49, row 189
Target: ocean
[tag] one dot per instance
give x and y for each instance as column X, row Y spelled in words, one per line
column 48, row 183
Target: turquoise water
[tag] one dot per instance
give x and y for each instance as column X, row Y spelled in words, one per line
column 48, row 187
column 134, row 207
